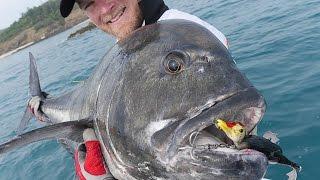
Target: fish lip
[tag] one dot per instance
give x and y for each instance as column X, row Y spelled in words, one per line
column 243, row 164
column 228, row 150
column 204, row 118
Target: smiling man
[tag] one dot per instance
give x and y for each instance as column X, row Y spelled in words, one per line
column 121, row 17
column 118, row 18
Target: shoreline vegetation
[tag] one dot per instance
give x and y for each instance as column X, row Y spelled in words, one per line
column 88, row 27
column 39, row 23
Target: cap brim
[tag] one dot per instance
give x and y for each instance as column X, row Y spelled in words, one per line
column 66, row 7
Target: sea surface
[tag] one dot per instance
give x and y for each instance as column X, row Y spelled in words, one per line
column 275, row 43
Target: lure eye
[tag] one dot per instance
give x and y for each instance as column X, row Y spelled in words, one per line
column 173, row 66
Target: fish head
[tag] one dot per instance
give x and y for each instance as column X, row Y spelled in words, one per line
column 176, row 78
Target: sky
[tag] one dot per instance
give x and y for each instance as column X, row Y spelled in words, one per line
column 11, row 10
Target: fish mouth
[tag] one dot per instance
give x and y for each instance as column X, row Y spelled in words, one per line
column 205, row 145
column 246, row 106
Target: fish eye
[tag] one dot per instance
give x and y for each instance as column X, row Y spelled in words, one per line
column 241, row 130
column 173, row 66
column 174, row 62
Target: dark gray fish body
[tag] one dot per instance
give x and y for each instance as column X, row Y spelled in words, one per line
column 152, row 92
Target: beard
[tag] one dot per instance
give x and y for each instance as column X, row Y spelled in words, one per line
column 133, row 20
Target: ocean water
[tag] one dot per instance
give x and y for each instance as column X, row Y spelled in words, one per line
column 275, row 43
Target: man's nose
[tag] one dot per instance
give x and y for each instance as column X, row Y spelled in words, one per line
column 105, row 6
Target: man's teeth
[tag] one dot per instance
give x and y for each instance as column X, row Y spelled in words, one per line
column 117, row 17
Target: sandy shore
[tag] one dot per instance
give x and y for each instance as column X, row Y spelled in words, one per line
column 16, row 50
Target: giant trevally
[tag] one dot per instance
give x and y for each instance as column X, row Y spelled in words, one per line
column 152, row 100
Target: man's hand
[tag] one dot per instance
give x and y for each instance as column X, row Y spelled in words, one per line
column 34, row 107
column 89, row 162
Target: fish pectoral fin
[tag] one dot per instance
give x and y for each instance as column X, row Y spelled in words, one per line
column 67, row 130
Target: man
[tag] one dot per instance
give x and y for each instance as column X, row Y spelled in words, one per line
column 118, row 18
column 121, row 17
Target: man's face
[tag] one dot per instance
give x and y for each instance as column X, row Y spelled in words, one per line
column 116, row 17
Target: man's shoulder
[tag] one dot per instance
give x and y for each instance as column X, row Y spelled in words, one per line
column 176, row 14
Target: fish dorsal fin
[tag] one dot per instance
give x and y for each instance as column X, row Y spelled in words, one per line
column 70, row 130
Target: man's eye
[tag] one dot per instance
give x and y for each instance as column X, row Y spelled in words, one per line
column 87, row 4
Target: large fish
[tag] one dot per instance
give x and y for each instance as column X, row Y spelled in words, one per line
column 152, row 100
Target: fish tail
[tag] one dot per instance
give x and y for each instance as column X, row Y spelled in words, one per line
column 284, row 160
column 296, row 166
column 34, row 82
column 35, row 91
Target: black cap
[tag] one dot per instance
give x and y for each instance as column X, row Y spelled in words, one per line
column 66, row 7
column 152, row 10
